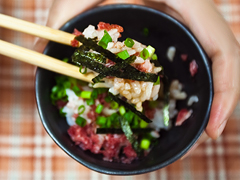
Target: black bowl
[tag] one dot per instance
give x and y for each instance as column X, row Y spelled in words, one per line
column 164, row 31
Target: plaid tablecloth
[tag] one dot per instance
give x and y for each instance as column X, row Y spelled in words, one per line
column 26, row 150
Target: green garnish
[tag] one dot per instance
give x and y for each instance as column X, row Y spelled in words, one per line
column 122, row 110
column 86, row 94
column 81, row 109
column 65, row 60
column 90, row 102
column 166, row 93
column 123, row 55
column 145, row 143
column 154, row 57
column 150, row 50
column 81, row 121
column 129, row 42
column 145, row 32
column 99, row 108
column 114, row 105
column 84, row 70
column 130, row 107
column 105, row 40
column 144, row 54
column 128, row 133
column 101, row 120
column 157, row 82
column 120, row 131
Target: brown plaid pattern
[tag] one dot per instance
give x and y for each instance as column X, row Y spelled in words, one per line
column 26, row 150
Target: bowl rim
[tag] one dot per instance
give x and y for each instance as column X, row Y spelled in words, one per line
column 207, row 64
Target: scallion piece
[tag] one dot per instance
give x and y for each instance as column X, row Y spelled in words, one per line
column 166, row 114
column 151, row 50
column 145, row 31
column 65, row 60
column 129, row 42
column 145, row 143
column 105, row 40
column 122, row 110
column 123, row 55
column 101, row 120
column 144, row 54
column 86, row 94
column 108, row 99
column 81, row 109
column 157, row 82
column 114, row 105
column 82, row 70
column 154, row 57
column 143, row 124
column 99, row 108
column 90, row 102
column 81, row 121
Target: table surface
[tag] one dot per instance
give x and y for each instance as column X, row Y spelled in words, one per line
column 27, row 151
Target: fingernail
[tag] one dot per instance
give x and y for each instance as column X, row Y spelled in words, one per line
column 221, row 128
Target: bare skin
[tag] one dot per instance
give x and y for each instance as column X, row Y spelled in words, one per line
column 209, row 28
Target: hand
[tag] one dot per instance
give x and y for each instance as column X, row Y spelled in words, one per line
column 223, row 49
column 209, row 28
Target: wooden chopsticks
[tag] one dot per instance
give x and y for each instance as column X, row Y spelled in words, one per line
column 36, row 58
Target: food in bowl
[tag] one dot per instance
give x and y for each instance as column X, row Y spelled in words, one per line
column 121, row 115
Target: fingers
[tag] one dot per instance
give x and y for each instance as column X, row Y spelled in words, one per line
column 204, row 137
column 221, row 46
column 226, row 90
column 60, row 12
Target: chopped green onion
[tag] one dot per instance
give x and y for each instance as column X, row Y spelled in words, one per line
column 123, row 54
column 108, row 123
column 101, row 120
column 76, row 90
column 114, row 105
column 90, row 102
column 65, row 60
column 61, row 112
column 143, row 124
column 55, row 89
column 145, row 143
column 81, row 121
column 144, row 54
column 86, row 94
column 122, row 110
column 129, row 116
column 158, row 81
column 81, row 109
column 154, row 57
column 120, row 131
column 108, row 99
column 166, row 114
column 84, row 68
column 99, row 108
column 146, row 31
column 67, row 84
column 105, row 40
column 150, row 50
column 135, row 122
column 94, row 94
column 129, row 42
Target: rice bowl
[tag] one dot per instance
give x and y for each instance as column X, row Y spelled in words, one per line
column 162, row 38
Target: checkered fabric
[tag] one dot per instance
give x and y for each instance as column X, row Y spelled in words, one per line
column 26, row 150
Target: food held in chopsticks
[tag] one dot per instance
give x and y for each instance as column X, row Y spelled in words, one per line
column 120, row 115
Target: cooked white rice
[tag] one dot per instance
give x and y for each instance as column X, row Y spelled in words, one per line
column 136, row 92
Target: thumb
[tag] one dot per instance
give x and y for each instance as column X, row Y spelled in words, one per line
column 60, row 12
